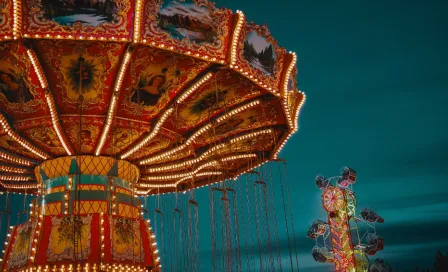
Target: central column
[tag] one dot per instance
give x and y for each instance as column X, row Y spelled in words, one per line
column 86, row 185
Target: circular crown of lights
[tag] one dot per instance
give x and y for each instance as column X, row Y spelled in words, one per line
column 176, row 142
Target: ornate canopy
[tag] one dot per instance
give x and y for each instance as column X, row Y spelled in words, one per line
column 188, row 93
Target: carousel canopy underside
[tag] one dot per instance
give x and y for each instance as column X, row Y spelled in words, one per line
column 189, row 93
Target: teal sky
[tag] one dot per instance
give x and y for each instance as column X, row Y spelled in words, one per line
column 376, row 78
column 376, row 81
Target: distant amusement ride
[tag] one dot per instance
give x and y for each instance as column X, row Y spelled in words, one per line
column 114, row 112
column 346, row 238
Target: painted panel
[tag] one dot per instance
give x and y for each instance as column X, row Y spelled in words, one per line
column 20, row 92
column 76, row 69
column 22, row 245
column 127, row 244
column 268, row 113
column 62, row 241
column 154, row 78
column 260, row 57
column 111, row 19
column 6, row 19
column 196, row 27
column 224, row 90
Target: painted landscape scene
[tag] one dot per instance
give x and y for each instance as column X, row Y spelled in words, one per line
column 86, row 12
column 186, row 20
column 259, row 53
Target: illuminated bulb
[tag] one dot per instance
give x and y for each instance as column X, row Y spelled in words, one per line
column 113, row 103
column 150, row 136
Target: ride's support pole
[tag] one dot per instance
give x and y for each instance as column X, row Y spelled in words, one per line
column 344, row 257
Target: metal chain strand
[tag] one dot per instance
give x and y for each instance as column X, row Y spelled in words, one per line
column 286, row 218
column 290, row 214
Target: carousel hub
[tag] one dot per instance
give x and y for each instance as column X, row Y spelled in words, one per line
column 87, row 218
column 104, row 101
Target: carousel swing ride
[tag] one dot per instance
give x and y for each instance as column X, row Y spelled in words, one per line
column 109, row 106
column 347, row 238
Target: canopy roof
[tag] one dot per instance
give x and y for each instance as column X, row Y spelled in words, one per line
column 189, row 93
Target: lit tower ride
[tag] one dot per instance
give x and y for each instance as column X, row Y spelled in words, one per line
column 352, row 236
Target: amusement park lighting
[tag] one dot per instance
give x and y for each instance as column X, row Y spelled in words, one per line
column 171, row 167
column 15, row 159
column 193, row 88
column 296, row 127
column 17, row 22
column 56, row 124
column 296, row 118
column 113, row 103
column 185, row 176
column 19, row 186
column 12, row 169
column 207, row 143
column 251, row 135
column 239, row 157
column 286, row 94
column 238, row 110
column 201, row 131
column 49, row 99
column 339, row 202
column 151, row 136
column 142, row 193
column 21, row 141
column 14, row 178
column 236, row 37
column 40, row 75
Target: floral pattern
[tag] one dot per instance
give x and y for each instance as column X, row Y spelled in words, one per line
column 22, row 245
column 66, row 232
column 126, row 239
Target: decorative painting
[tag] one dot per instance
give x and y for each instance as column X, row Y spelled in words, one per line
column 224, row 90
column 83, row 138
column 192, row 25
column 262, row 142
column 292, row 81
column 18, row 90
column 6, row 18
column 86, row 138
column 292, row 96
column 62, row 240
column 87, row 13
column 22, row 245
column 81, row 71
column 123, row 133
column 157, row 144
column 260, row 55
column 156, row 77
column 263, row 115
column 45, row 136
column 12, row 145
column 126, row 240
column 120, row 138
column 42, row 133
column 103, row 18
column 12, row 85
